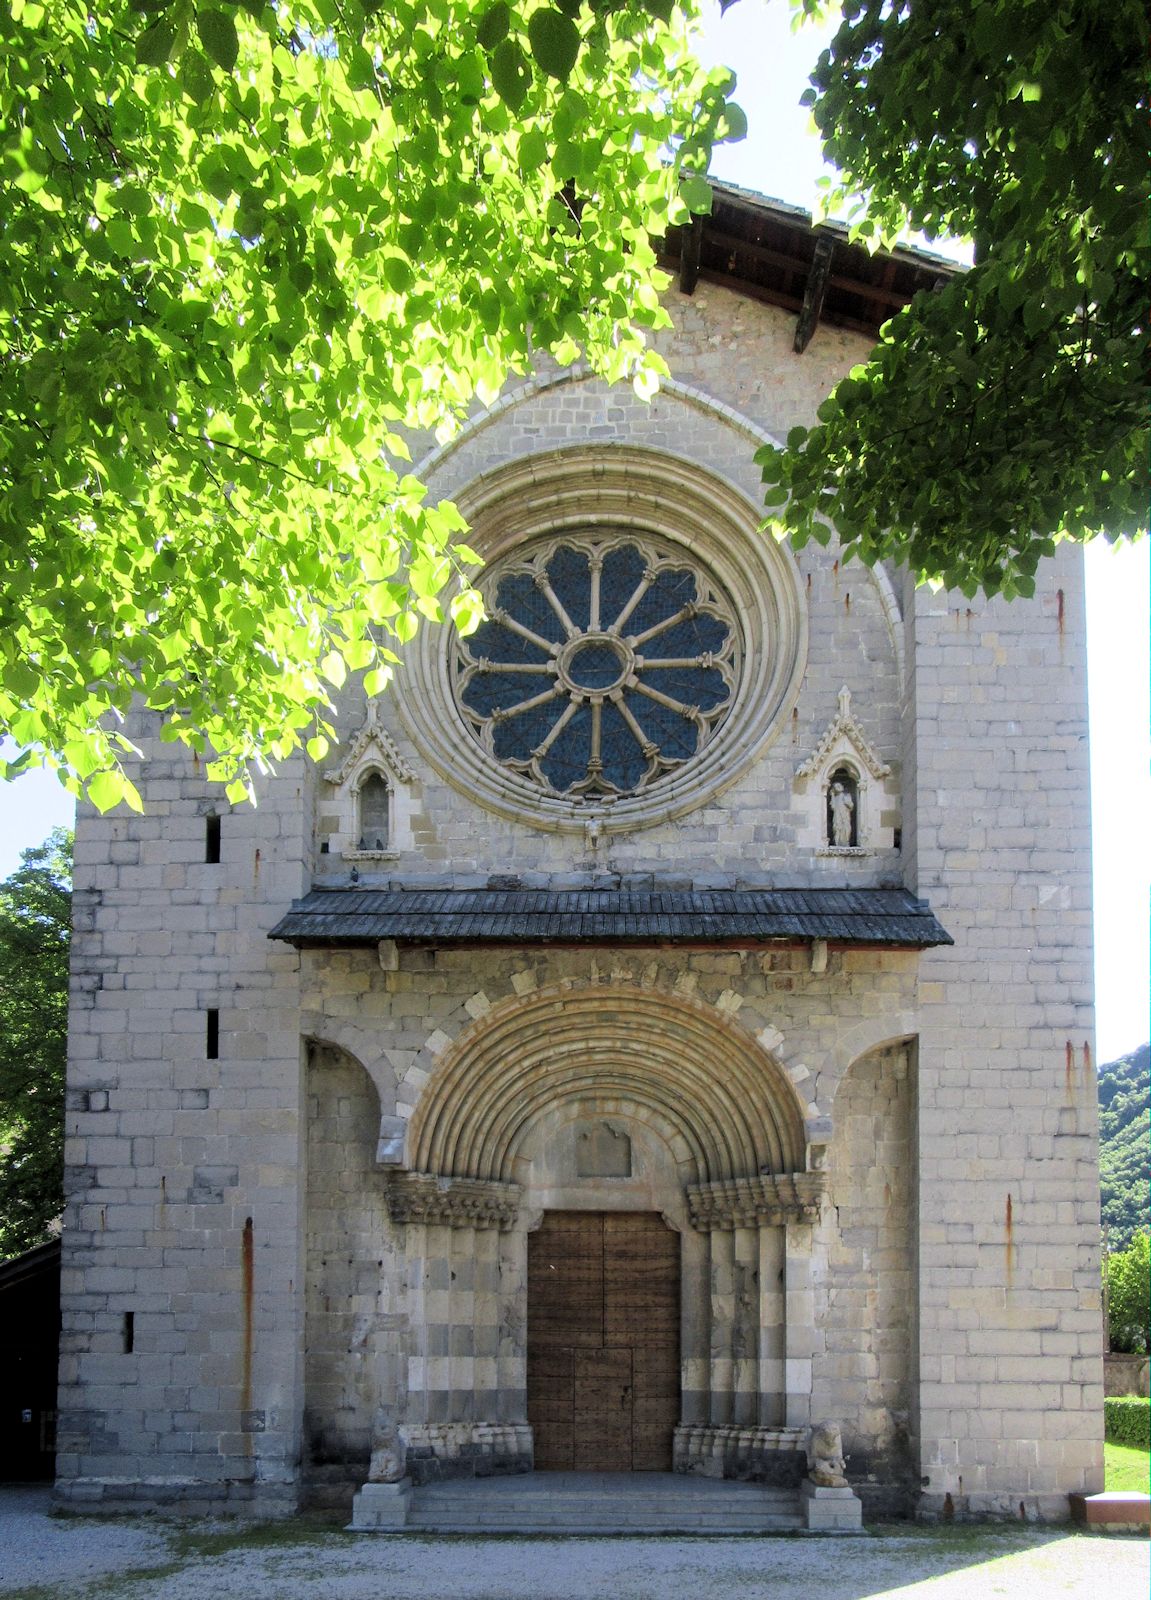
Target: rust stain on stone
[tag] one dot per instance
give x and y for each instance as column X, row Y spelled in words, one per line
column 948, row 1508
column 1059, row 597
column 795, row 724
column 1089, row 1088
column 1009, row 1245
column 249, row 1278
column 256, row 867
column 1069, row 1074
column 847, row 601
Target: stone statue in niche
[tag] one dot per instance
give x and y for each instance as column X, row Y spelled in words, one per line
column 603, row 1152
column 387, row 1463
column 826, row 1466
column 842, row 825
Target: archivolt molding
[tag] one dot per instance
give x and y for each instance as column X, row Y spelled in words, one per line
column 694, row 398
column 731, row 1109
column 615, row 487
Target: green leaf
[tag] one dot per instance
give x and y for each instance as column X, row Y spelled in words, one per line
column 218, row 36
column 696, row 192
column 511, row 74
column 154, row 45
column 555, row 42
column 493, row 25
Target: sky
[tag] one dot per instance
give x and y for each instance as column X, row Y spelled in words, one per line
column 781, row 157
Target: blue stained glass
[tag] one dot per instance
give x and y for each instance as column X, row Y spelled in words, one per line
column 493, row 642
column 516, row 738
column 675, row 734
column 595, row 666
column 496, row 691
column 670, row 592
column 695, row 636
column 691, row 686
column 519, row 597
column 623, row 762
column 623, row 570
column 570, row 573
column 566, row 762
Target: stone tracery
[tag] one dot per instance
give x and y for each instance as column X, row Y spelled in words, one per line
column 604, row 664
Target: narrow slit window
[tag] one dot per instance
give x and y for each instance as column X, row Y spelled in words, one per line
column 212, row 840
column 129, row 1332
column 212, row 1034
column 375, row 804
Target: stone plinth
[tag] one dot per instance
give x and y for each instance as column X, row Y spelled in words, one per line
column 381, row 1507
column 830, row 1510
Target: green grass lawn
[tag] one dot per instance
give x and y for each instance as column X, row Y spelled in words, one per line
column 1125, row 1466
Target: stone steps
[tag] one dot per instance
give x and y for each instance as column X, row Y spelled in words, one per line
column 599, row 1503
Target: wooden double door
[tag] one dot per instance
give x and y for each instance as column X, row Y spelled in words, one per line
column 603, row 1341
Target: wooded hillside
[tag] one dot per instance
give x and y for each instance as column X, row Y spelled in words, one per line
column 1124, row 1140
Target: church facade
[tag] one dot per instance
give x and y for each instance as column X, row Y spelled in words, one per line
column 663, row 1024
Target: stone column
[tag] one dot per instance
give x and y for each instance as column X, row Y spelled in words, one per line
column 722, row 1324
column 746, row 1331
column 772, row 1325
column 799, row 1333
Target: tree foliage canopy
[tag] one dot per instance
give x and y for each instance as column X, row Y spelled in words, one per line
column 246, row 249
column 1125, row 1144
column 249, row 249
column 1010, row 407
column 1128, row 1275
column 35, row 926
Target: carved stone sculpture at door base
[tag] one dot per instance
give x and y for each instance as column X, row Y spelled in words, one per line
column 382, row 1504
column 826, row 1466
column 830, row 1504
column 387, row 1463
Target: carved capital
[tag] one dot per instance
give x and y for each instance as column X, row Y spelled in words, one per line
column 768, row 1199
column 452, row 1202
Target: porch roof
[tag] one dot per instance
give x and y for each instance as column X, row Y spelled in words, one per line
column 731, row 917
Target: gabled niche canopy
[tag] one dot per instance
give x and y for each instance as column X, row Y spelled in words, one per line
column 849, row 795
column 372, row 801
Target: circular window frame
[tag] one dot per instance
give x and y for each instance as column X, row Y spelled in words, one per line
column 621, row 490
column 635, row 650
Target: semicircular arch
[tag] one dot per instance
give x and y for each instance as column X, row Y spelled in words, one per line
column 732, row 1106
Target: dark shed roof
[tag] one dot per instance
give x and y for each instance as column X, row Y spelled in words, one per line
column 892, row 917
column 774, row 252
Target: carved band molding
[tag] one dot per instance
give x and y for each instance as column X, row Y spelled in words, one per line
column 770, row 1198
column 452, row 1202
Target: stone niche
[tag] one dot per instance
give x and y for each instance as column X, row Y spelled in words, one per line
column 847, row 795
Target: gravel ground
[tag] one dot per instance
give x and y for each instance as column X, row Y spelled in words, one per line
column 45, row 1557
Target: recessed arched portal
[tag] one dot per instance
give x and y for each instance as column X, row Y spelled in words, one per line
column 734, row 1111
column 605, row 1104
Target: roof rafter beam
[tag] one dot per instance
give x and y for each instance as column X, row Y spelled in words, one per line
column 690, row 249
column 818, row 274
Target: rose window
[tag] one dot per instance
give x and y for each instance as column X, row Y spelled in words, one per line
column 603, row 664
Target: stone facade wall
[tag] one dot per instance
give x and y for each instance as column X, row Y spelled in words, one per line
column 866, row 1303
column 240, row 1220
column 1010, row 1363
column 356, row 1310
column 182, row 1172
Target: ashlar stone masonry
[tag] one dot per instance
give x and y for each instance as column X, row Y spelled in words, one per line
column 682, row 1035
